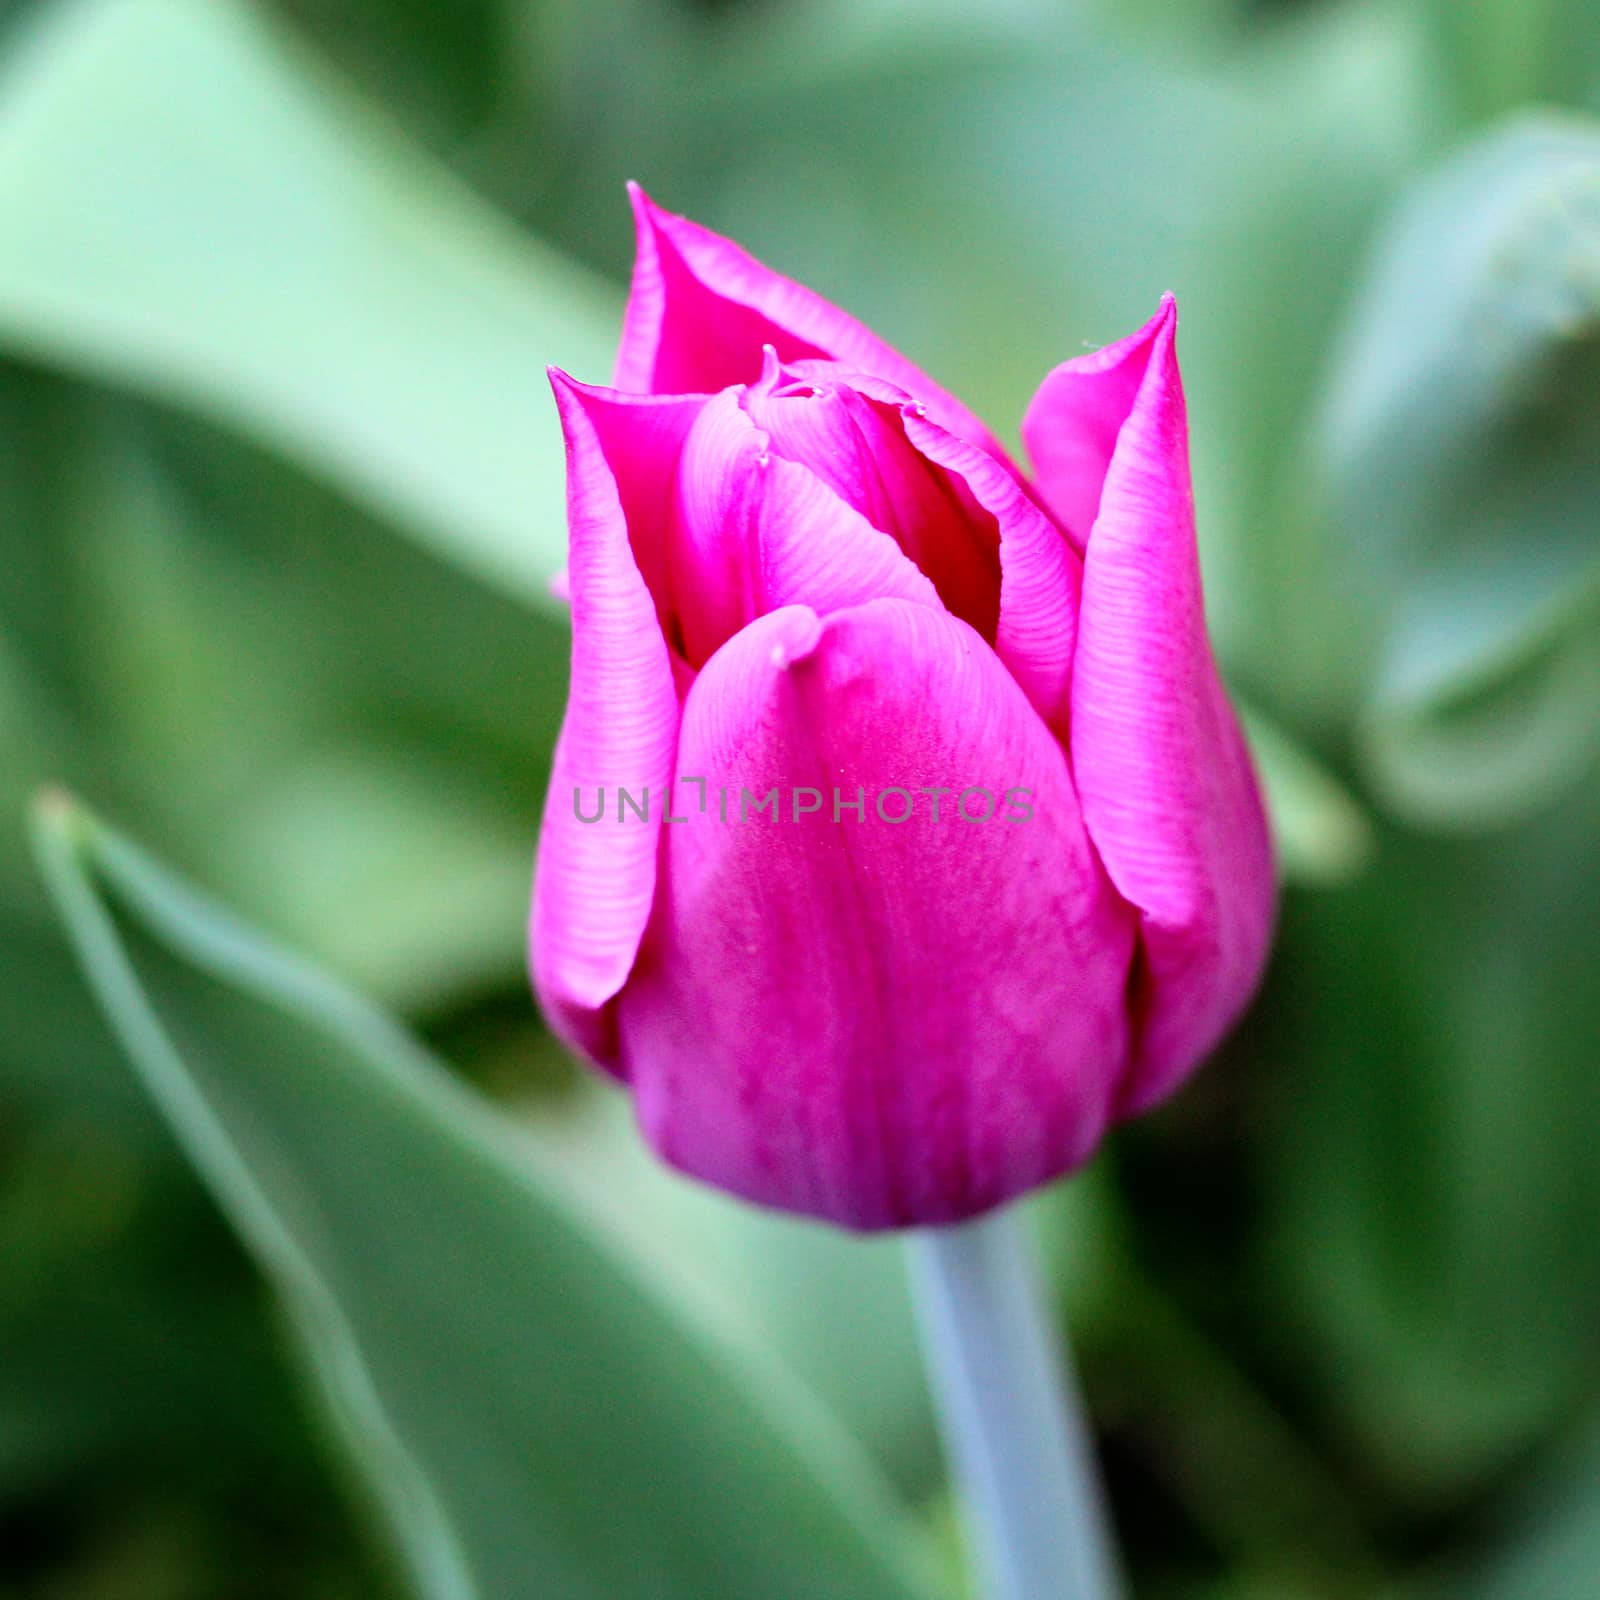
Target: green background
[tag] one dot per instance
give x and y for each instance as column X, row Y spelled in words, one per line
column 285, row 1308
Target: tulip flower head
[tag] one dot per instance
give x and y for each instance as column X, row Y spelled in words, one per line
column 901, row 837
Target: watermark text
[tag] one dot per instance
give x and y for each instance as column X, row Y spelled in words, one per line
column 893, row 805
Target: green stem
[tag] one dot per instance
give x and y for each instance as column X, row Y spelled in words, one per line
column 1012, row 1420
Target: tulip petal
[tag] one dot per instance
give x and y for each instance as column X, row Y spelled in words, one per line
column 882, row 1023
column 854, row 438
column 755, row 532
column 641, row 439
column 1041, row 576
column 700, row 310
column 1169, row 794
column 595, row 881
column 1070, row 429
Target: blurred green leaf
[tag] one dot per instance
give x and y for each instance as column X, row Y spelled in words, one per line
column 444, row 68
column 345, row 733
column 1462, row 444
column 195, row 211
column 32, row 738
column 530, row 1408
column 1345, row 89
column 1321, row 834
column 1192, row 25
column 1550, row 1549
column 1428, row 1156
column 1497, row 55
column 1481, row 720
column 1497, row 52
column 835, row 1308
column 404, row 875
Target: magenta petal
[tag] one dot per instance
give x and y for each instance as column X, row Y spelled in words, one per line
column 1071, row 427
column 700, row 309
column 641, row 440
column 595, row 881
column 857, row 442
column 754, row 532
column 1041, row 576
column 1168, row 791
column 880, row 1023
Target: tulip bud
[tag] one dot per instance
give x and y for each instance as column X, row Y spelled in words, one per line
column 901, row 837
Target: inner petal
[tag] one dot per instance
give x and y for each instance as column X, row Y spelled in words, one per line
column 856, row 443
column 753, row 530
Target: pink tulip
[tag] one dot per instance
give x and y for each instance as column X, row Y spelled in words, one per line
column 798, row 565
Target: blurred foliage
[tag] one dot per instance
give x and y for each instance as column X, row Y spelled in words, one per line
column 460, row 1319
column 279, row 497
column 1466, row 458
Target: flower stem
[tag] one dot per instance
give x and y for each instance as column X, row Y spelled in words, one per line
column 1012, row 1420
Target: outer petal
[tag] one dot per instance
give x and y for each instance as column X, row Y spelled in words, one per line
column 700, row 310
column 754, row 532
column 640, row 439
column 595, row 882
column 878, row 1023
column 1168, row 791
column 1070, row 429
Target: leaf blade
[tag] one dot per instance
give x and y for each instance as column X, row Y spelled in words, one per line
column 520, row 1476
column 337, row 295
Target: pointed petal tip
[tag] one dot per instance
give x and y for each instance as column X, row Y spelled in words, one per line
column 645, row 210
column 568, row 395
column 575, row 392
column 1163, row 326
column 571, row 396
column 648, row 215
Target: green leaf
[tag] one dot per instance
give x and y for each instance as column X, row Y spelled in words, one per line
column 30, row 737
column 1494, row 55
column 1551, row 1550
column 1476, row 720
column 197, row 212
column 835, row 1308
column 342, row 734
column 531, row 1409
column 1321, row 834
column 1428, row 1153
column 1462, row 447
column 1495, row 52
column 396, row 868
